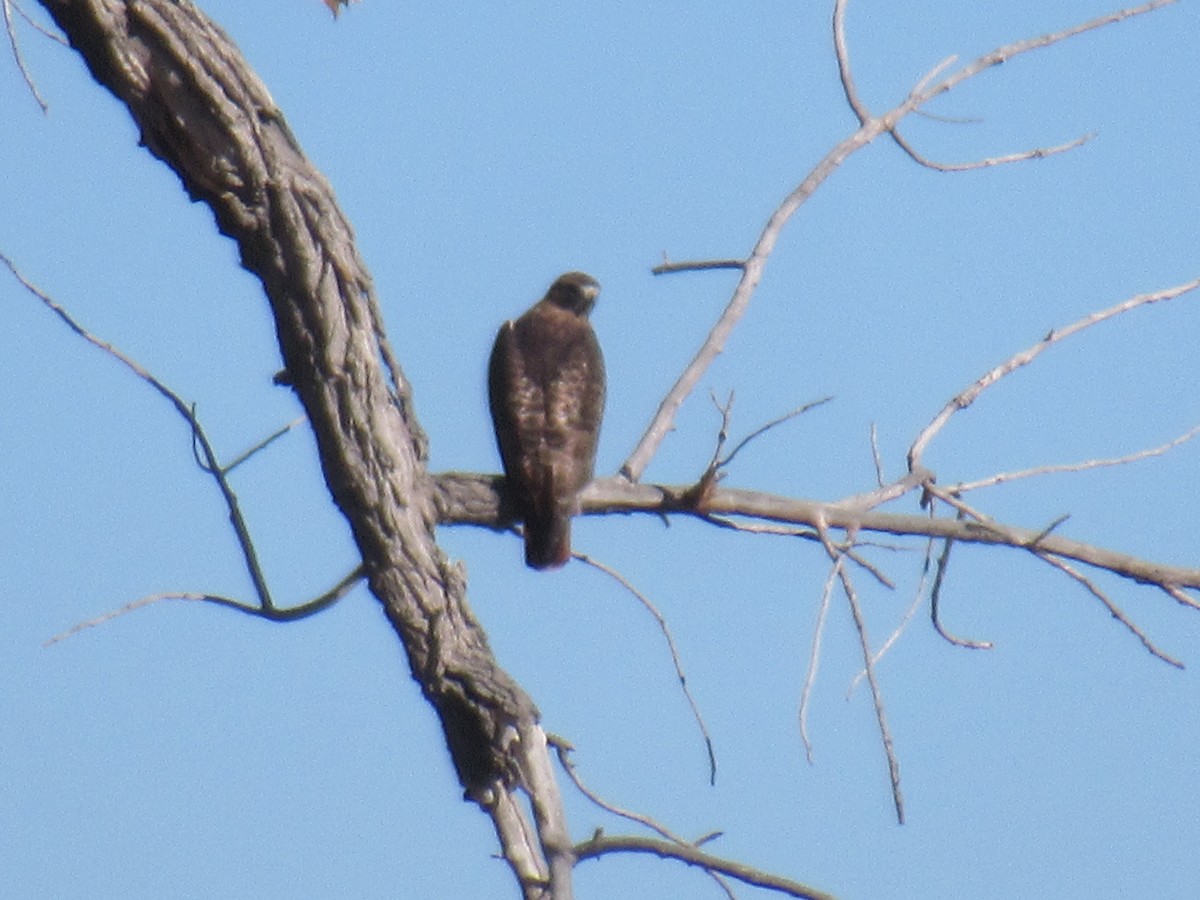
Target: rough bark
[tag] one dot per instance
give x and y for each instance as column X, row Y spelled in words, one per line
column 204, row 113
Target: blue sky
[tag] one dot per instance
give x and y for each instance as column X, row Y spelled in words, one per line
column 185, row 751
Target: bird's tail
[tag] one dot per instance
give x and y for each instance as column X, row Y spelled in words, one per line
column 548, row 539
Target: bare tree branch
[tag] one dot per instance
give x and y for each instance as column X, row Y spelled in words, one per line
column 270, row 613
column 695, row 265
column 969, row 395
column 870, row 128
column 963, row 486
column 15, row 46
column 814, row 661
column 469, row 499
column 601, row 844
column 202, row 111
column 671, row 648
column 860, row 625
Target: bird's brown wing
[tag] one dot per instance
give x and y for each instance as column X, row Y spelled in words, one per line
column 515, row 404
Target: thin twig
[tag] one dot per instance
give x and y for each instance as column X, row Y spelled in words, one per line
column 814, row 659
column 1115, row 611
column 674, row 651
column 601, row 844
column 272, row 614
column 968, row 396
column 1180, row 595
column 696, row 265
column 935, row 602
column 563, row 749
column 6, row 5
column 212, row 466
column 763, row 429
column 887, row 645
column 264, row 443
column 875, row 457
column 989, row 162
column 860, row 625
column 207, row 458
column 1002, row 477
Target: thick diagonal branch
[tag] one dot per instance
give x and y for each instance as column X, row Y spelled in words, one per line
column 203, row 112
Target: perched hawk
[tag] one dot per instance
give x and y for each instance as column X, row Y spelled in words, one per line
column 546, row 387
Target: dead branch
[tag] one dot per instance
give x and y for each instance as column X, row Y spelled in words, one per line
column 870, row 128
column 814, row 661
column 671, row 648
column 202, row 111
column 1036, row 545
column 860, row 625
column 971, row 393
column 470, row 499
column 15, row 47
column 1000, row 478
column 600, row 845
column 695, row 265
column 270, row 613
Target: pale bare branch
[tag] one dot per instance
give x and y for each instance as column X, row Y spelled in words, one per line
column 860, row 626
column 674, row 651
column 600, row 844
column 935, row 603
column 15, row 46
column 814, row 657
column 1114, row 610
column 563, row 748
column 763, row 429
column 896, row 632
column 988, row 162
column 206, row 455
column 875, row 457
column 695, row 265
column 869, row 129
column 472, row 499
column 1002, row 477
column 968, row 396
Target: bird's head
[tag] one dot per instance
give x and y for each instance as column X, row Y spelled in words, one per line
column 575, row 292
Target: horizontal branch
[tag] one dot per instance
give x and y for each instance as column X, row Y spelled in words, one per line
column 601, row 844
column 472, row 499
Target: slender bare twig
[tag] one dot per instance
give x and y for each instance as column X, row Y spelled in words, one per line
column 1037, row 544
column 674, row 651
column 763, row 429
column 206, row 457
column 696, row 265
column 1008, row 51
column 968, row 396
column 860, row 626
column 1115, row 611
column 263, row 444
column 211, row 465
column 887, row 645
column 601, row 844
column 963, row 486
column 875, row 457
column 814, row 658
column 1180, row 595
column 935, row 603
column 563, row 748
column 15, row 45
column 272, row 614
column 988, row 162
